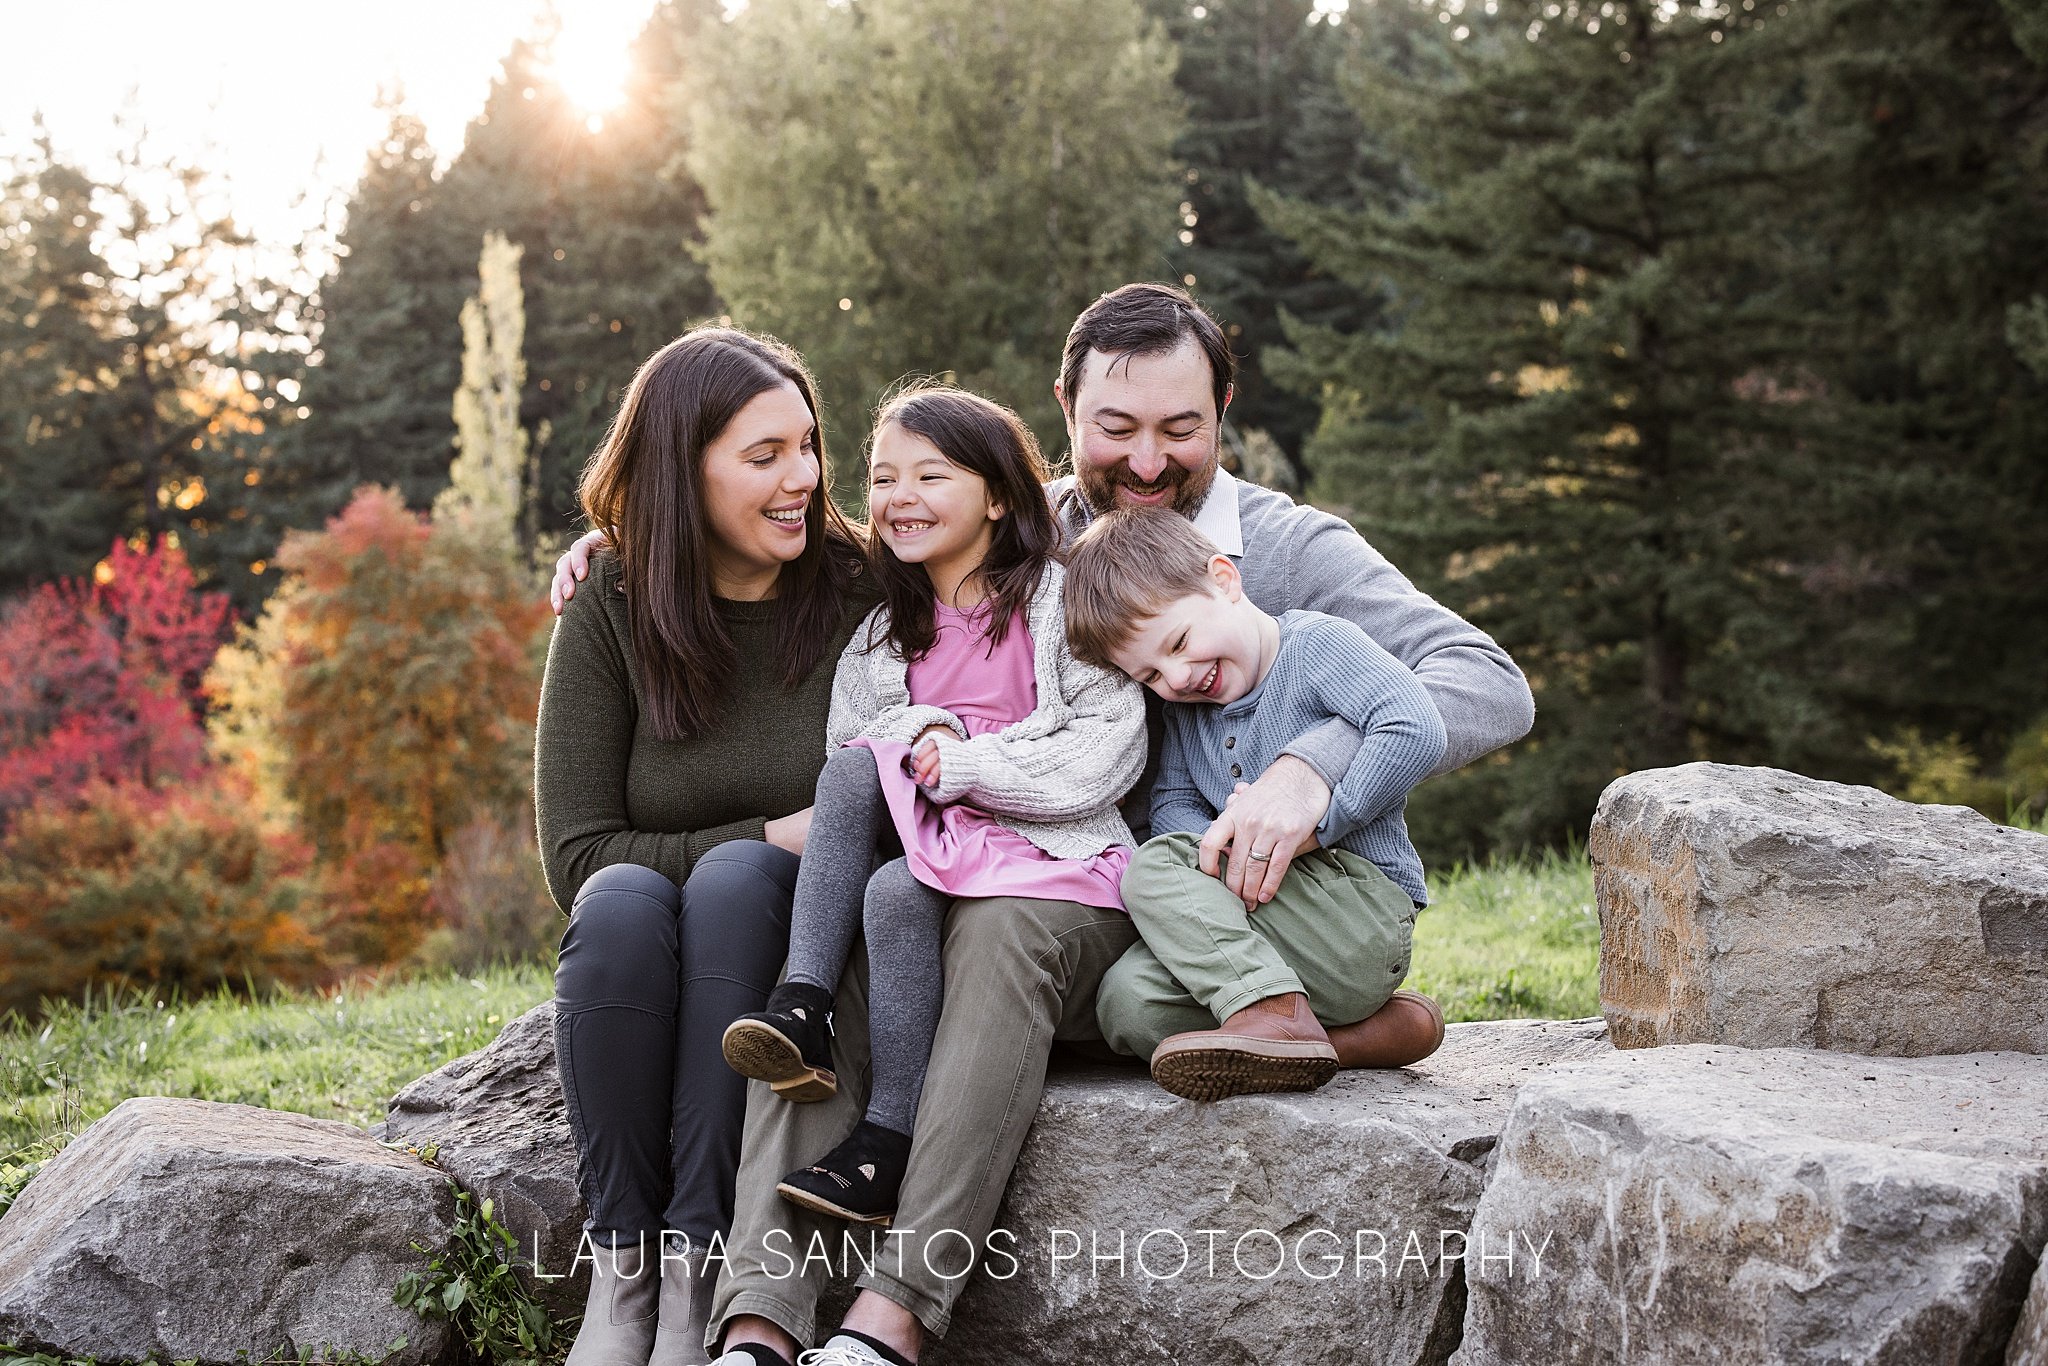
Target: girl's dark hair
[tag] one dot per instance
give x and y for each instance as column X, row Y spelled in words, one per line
column 987, row 439
column 644, row 488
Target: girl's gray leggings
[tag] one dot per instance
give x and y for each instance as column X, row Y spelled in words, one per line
column 901, row 919
column 650, row 976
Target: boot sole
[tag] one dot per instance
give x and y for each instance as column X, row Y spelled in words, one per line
column 765, row 1053
column 818, row 1204
column 1212, row 1073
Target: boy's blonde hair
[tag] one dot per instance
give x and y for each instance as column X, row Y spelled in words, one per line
column 1126, row 568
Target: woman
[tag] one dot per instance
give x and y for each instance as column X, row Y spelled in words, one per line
column 681, row 732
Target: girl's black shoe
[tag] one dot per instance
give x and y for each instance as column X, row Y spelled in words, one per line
column 858, row 1180
column 787, row 1044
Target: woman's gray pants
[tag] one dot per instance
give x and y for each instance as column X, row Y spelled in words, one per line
column 648, row 980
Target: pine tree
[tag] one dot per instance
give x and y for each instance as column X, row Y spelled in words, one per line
column 390, row 343
column 1598, row 424
column 61, row 499
column 1937, row 225
column 1265, row 112
column 142, row 387
column 607, row 215
column 947, row 185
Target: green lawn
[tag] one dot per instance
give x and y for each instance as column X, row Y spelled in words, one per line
column 1499, row 941
column 1509, row 940
column 336, row 1056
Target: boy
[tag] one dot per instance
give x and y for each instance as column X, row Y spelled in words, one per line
column 1301, row 979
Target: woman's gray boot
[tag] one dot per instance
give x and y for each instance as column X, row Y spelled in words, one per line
column 619, row 1317
column 686, row 1285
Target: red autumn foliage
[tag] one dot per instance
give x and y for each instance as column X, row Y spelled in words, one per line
column 99, row 681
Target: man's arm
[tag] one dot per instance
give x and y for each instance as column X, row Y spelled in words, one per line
column 1350, row 676
column 1299, row 557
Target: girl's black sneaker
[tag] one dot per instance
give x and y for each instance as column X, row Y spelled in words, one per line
column 858, row 1180
column 787, row 1043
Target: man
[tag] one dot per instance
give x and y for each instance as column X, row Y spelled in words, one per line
column 1144, row 382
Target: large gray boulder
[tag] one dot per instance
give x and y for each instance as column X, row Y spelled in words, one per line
column 1706, row 1203
column 494, row 1120
column 188, row 1230
column 1339, row 1215
column 2029, row 1345
column 1757, row 907
column 1400, row 1155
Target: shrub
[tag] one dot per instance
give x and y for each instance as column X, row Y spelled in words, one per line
column 178, row 889
column 99, row 681
column 391, row 687
column 489, row 902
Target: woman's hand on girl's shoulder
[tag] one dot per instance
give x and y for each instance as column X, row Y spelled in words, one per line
column 574, row 567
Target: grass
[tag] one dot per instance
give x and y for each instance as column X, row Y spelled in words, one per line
column 1511, row 938
column 1500, row 940
column 335, row 1056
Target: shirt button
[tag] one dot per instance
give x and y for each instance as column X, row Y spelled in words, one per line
column 1230, row 742
column 1236, row 772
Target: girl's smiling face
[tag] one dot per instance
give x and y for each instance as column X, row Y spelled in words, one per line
column 927, row 509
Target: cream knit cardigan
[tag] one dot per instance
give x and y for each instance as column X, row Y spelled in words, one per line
column 1054, row 777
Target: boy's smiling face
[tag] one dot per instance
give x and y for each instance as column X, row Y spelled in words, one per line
column 1210, row 647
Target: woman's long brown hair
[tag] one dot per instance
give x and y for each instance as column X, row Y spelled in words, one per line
column 993, row 442
column 644, row 488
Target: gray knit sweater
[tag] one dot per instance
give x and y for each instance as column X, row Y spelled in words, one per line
column 1054, row 777
column 1325, row 668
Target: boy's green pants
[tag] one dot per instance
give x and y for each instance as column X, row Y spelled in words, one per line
column 1338, row 930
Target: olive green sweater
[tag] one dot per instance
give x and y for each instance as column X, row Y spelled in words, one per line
column 606, row 791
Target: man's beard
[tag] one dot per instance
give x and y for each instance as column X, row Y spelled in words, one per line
column 1189, row 487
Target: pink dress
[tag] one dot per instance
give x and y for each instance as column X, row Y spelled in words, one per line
column 954, row 847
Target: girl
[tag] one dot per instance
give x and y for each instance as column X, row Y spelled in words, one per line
column 962, row 727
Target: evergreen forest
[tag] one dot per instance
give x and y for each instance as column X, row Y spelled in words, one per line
column 1695, row 349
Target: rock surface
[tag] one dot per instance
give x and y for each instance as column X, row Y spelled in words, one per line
column 1757, row 907
column 184, row 1229
column 2029, row 1345
column 1390, row 1153
column 498, row 1126
column 1364, row 1186
column 1287, row 1164
column 1706, row 1203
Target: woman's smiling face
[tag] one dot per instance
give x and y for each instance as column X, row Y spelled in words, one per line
column 927, row 509
column 759, row 475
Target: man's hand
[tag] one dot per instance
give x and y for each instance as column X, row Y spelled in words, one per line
column 789, row 832
column 573, row 568
column 1263, row 826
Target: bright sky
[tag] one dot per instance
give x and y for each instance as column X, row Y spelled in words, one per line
column 279, row 97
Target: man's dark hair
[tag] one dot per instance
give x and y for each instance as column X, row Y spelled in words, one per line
column 1146, row 320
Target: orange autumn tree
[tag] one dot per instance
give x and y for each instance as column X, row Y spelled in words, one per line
column 390, row 692
column 178, row 889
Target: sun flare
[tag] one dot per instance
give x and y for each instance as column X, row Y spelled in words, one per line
column 591, row 67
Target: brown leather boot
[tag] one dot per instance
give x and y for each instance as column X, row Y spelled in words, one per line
column 1272, row 1045
column 1408, row 1028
